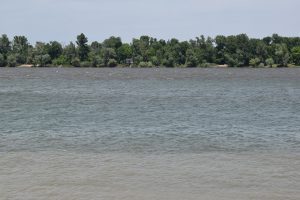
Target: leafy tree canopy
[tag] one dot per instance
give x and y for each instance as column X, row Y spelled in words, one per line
column 145, row 51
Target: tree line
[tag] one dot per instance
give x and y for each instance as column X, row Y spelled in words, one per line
column 234, row 51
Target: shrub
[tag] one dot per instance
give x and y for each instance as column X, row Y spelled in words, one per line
column 155, row 61
column 254, row 62
column 85, row 64
column 112, row 63
column 75, row 62
column 97, row 61
column 145, row 64
column 205, row 65
column 42, row 60
column 20, row 58
column 270, row 62
column 232, row 62
column 169, row 62
column 61, row 60
column 191, row 58
column 12, row 61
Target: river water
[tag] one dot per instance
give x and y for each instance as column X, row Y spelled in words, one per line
column 131, row 134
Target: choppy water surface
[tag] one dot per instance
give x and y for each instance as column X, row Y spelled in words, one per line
column 149, row 134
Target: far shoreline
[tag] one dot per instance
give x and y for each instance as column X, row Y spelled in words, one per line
column 161, row 67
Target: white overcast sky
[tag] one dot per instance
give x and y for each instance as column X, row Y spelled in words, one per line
column 62, row 20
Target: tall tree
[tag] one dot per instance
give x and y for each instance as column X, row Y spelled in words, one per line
column 108, row 55
column 83, row 48
column 296, row 55
column 282, row 55
column 191, row 58
column 20, row 48
column 124, row 52
column 54, row 49
column 5, row 45
column 40, row 55
column 70, row 52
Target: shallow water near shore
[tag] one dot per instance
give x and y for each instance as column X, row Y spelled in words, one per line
column 149, row 133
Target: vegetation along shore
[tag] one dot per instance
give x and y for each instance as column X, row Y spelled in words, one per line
column 223, row 51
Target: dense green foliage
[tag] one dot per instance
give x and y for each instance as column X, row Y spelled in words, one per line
column 234, row 51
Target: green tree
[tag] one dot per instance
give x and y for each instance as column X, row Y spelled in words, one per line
column 232, row 62
column 2, row 61
column 96, row 60
column 276, row 39
column 270, row 62
column 282, row 54
column 254, row 62
column 124, row 52
column 261, row 50
column 155, row 61
column 5, row 45
column 54, row 49
column 113, row 42
column 191, row 59
column 83, row 48
column 20, row 48
column 296, row 55
column 204, row 49
column 140, row 49
column 60, row 61
column 75, row 62
column 174, row 53
column 145, row 64
column 40, row 48
column 109, row 54
column 40, row 56
column 96, row 47
column 112, row 63
column 70, row 52
column 220, row 42
column 42, row 60
column 11, row 60
column 169, row 60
